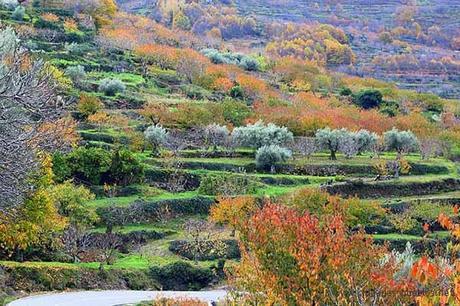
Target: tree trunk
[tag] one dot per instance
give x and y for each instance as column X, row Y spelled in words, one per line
column 333, row 156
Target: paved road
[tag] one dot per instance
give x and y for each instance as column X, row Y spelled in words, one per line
column 111, row 298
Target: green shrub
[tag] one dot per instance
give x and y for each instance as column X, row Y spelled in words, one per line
column 235, row 112
column 36, row 278
column 89, row 164
column 18, row 13
column 195, row 92
column 228, row 184
column 368, row 99
column 98, row 166
column 156, row 136
column 125, row 168
column 268, row 156
column 249, row 64
column 76, row 73
column 111, row 87
column 345, row 91
column 61, row 168
column 89, row 105
column 182, row 276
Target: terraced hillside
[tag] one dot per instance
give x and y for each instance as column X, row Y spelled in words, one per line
column 164, row 147
column 363, row 20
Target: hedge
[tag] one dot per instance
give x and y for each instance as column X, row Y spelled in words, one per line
column 162, row 177
column 394, row 188
column 103, row 137
column 419, row 246
column 229, row 184
column 216, row 154
column 329, row 169
column 147, row 211
column 182, row 276
column 36, row 278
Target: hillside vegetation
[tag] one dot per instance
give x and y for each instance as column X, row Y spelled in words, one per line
column 184, row 145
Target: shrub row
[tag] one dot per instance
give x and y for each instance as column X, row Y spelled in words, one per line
column 228, row 184
column 162, row 178
column 330, row 169
column 120, row 191
column 419, row 246
column 183, row 248
column 395, row 189
column 151, row 211
column 35, row 278
column 183, row 276
column 103, row 137
column 175, row 276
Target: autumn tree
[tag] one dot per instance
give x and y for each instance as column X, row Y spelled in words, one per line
column 28, row 99
column 292, row 258
column 36, row 221
column 233, row 211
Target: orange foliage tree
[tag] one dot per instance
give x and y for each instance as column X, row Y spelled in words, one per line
column 292, row 258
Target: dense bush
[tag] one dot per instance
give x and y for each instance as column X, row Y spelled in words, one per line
column 249, row 64
column 369, row 98
column 89, row 105
column 195, row 92
column 111, row 87
column 228, row 184
column 76, row 73
column 268, row 156
column 89, row 164
column 36, row 278
column 98, row 166
column 18, row 13
column 258, row 134
column 125, row 168
column 246, row 62
column 182, row 276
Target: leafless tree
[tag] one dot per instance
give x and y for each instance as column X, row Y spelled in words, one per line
column 75, row 242
column 430, row 147
column 203, row 237
column 349, row 147
column 28, row 100
column 305, row 146
column 108, row 244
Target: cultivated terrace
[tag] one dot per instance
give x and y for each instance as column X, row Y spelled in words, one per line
column 184, row 145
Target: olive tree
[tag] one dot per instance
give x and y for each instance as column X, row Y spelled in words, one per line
column 268, row 156
column 216, row 135
column 29, row 99
column 258, row 135
column 332, row 140
column 400, row 141
column 365, row 140
column 156, row 135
